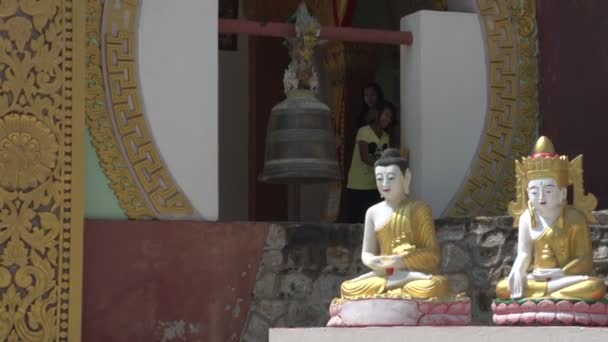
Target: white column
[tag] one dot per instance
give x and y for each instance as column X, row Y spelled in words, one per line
column 178, row 69
column 444, row 101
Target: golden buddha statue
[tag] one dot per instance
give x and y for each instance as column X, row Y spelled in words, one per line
column 554, row 252
column 399, row 242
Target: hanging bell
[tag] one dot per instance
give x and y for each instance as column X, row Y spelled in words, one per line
column 300, row 142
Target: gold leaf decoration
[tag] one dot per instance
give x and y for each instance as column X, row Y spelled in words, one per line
column 41, row 170
column 28, row 151
column 121, row 136
column 510, row 33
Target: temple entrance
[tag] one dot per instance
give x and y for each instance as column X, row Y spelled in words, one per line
column 363, row 63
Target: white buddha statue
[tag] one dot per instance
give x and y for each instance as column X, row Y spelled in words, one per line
column 399, row 242
column 554, row 252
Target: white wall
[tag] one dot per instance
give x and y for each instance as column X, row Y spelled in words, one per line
column 444, row 99
column 234, row 131
column 178, row 69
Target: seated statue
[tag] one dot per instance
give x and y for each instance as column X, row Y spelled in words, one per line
column 400, row 247
column 554, row 253
column 399, row 243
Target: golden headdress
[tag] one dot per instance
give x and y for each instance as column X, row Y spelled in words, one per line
column 545, row 163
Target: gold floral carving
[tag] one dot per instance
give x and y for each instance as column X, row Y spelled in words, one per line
column 28, row 151
column 510, row 131
column 41, row 169
column 121, row 135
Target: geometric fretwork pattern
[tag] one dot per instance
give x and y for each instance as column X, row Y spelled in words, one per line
column 121, row 134
column 511, row 52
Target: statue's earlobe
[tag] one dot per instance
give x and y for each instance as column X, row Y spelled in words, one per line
column 407, row 181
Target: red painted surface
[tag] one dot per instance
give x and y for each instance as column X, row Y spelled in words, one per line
column 573, row 74
column 347, row 34
column 142, row 279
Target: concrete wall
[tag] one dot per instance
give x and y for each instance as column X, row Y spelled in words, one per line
column 178, row 70
column 444, row 101
column 168, row 281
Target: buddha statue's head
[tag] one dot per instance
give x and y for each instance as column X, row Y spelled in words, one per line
column 546, row 174
column 542, row 182
column 393, row 175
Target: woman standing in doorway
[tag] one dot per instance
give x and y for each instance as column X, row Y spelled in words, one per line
column 372, row 96
column 371, row 140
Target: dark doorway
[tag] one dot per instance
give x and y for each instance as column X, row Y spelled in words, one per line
column 573, row 74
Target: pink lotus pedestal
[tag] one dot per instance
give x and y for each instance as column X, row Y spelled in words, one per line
column 550, row 312
column 398, row 312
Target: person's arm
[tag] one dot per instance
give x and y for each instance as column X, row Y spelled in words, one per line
column 364, row 153
column 362, row 140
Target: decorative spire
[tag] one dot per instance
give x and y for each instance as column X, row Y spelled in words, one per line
column 545, row 163
column 544, row 148
column 301, row 73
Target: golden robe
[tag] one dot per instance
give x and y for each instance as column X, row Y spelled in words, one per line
column 410, row 233
column 567, row 245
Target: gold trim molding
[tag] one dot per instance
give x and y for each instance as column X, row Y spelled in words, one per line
column 511, row 122
column 116, row 119
column 41, row 169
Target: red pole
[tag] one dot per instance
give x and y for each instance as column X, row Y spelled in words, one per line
column 347, row 34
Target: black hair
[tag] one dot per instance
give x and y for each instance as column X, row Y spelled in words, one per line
column 379, row 94
column 391, row 156
column 362, row 119
column 384, row 105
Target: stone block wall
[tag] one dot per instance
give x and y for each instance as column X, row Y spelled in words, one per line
column 303, row 266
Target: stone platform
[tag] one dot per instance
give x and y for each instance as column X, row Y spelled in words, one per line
column 468, row 334
column 398, row 312
column 550, row 312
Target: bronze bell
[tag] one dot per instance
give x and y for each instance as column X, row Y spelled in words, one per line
column 300, row 142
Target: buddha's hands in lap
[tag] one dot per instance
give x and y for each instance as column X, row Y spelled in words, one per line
column 410, row 275
column 546, row 274
column 385, row 263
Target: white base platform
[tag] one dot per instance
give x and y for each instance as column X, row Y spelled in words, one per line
column 429, row 334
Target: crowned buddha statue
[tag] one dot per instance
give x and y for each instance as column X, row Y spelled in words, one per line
column 554, row 252
column 400, row 247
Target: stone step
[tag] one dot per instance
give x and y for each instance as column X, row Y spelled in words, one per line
column 428, row 334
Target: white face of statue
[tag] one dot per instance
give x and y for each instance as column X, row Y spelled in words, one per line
column 392, row 184
column 546, row 196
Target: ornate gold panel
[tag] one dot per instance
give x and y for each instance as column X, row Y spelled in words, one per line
column 121, row 135
column 41, row 169
column 510, row 130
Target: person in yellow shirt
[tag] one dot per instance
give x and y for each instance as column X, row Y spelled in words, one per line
column 371, row 140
